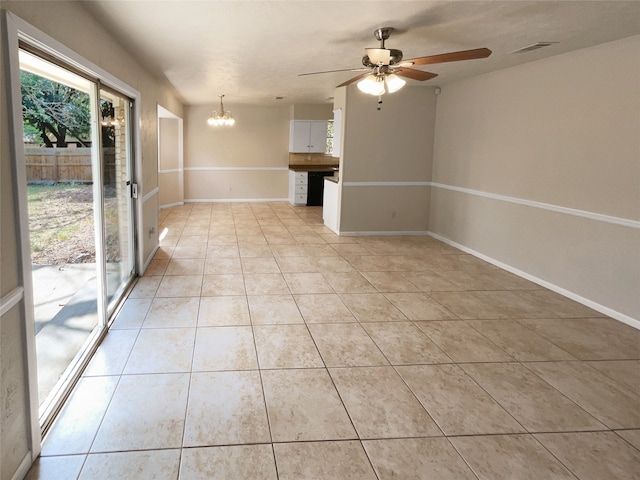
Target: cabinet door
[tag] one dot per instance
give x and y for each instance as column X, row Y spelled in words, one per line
column 299, row 133
column 318, row 136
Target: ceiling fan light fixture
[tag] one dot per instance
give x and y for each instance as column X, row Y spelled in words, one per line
column 221, row 118
column 372, row 84
column 394, row 83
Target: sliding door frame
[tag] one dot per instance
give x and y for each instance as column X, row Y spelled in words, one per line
column 18, row 31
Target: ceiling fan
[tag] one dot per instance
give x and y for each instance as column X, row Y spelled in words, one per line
column 385, row 66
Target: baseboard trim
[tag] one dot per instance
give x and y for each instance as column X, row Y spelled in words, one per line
column 543, row 283
column 169, row 205
column 383, row 233
column 24, row 467
column 230, row 200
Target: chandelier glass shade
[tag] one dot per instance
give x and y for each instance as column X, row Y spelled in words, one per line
column 221, row 118
column 379, row 84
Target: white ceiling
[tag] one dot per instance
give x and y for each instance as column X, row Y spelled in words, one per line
column 253, row 51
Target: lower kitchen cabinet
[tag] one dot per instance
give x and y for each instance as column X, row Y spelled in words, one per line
column 298, row 184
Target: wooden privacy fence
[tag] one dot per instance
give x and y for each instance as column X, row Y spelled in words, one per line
column 65, row 165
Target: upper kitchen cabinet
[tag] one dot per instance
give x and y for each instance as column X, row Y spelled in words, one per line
column 308, row 136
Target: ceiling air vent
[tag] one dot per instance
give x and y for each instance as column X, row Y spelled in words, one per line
column 535, row 46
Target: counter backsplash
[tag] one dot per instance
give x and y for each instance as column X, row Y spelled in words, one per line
column 312, row 159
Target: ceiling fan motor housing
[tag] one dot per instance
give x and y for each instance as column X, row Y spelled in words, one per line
column 395, row 56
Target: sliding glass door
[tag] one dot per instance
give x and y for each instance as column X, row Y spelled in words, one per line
column 78, row 163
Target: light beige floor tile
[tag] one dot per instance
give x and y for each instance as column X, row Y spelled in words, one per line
column 187, row 239
column 316, row 250
column 471, row 280
column 429, row 282
column 245, row 239
column 595, row 455
column 216, row 237
column 371, row 263
column 507, row 457
column 323, row 461
column 259, row 265
column 625, row 372
column 561, row 306
column 404, row 344
column 162, row 350
column 512, row 304
column 146, row 287
column 112, row 354
column 228, row 250
column 286, row 346
column 457, row 404
column 219, row 285
column 284, row 251
column 304, row 405
column 332, row 264
column 533, row 402
column 602, row 397
column 323, row 308
column 303, row 283
column 416, row 459
column 299, row 264
column 333, row 238
column 80, row 418
column 56, row 468
column 189, row 251
column 223, row 311
column 274, row 229
column 519, row 341
column 590, row 338
column 157, row 464
column 226, row 408
column 280, row 239
column 185, row 266
column 631, row 436
column 132, row 313
column 391, row 282
column 156, row 267
column 273, row 309
column 146, row 412
column 349, row 282
column 311, row 239
column 419, row 306
column 380, row 405
column 180, row 286
column 266, row 284
column 163, row 253
column 462, row 342
column 372, row 307
column 467, row 305
column 348, row 249
column 222, row 266
column 224, row 348
column 172, row 312
column 253, row 462
column 252, row 250
column 345, row 345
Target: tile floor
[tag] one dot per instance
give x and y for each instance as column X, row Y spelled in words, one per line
column 259, row 345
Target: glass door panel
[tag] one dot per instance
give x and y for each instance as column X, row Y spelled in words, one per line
column 116, row 184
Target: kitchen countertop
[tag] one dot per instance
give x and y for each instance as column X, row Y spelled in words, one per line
column 314, row 168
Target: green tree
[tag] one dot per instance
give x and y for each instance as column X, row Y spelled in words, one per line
column 54, row 110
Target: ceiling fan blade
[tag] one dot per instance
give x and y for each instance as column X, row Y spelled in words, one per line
column 362, row 69
column 447, row 57
column 354, row 79
column 415, row 74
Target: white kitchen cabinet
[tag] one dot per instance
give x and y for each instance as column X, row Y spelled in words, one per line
column 298, row 182
column 308, row 136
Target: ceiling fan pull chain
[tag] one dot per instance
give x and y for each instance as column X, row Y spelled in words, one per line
column 379, row 103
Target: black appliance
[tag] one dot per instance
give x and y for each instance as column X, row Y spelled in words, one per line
column 315, row 188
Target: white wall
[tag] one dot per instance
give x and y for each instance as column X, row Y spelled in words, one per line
column 386, row 161
column 70, row 24
column 248, row 161
column 560, row 132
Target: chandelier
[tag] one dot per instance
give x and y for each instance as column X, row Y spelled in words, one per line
column 222, row 117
